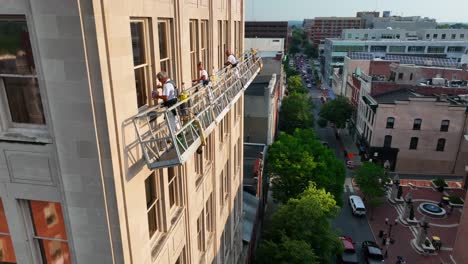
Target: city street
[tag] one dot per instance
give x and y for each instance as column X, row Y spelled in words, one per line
column 355, row 227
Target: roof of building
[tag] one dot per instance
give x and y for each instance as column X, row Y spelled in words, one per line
column 251, row 154
column 249, row 215
column 270, row 66
column 393, row 96
column 266, row 29
column 416, row 60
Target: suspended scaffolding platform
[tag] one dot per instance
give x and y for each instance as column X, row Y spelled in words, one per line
column 170, row 136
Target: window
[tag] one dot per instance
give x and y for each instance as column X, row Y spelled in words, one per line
column 428, row 36
column 414, row 143
column 194, row 47
column 444, row 126
column 18, row 77
column 209, row 214
column 440, row 144
column 141, row 66
column 454, row 36
column 444, row 36
column 456, row 49
column 199, row 167
column 239, row 37
column 387, row 141
column 226, row 33
column 7, row 253
column 154, row 205
column 49, row 231
column 400, row 76
column 417, row 124
column 416, row 49
column 220, row 45
column 174, row 183
column 397, row 49
column 435, row 49
column 462, row 36
column 435, row 36
column 224, row 183
column 166, row 36
column 204, row 45
column 208, row 151
column 237, row 155
column 201, row 232
column 411, row 77
column 390, row 122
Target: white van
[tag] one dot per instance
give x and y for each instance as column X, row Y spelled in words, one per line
column 357, row 206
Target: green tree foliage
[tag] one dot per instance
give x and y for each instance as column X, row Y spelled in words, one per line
column 293, row 49
column 295, row 85
column 322, row 122
column 295, row 160
column 296, row 112
column 310, row 51
column 337, row 111
column 286, row 251
column 371, row 180
column 307, row 218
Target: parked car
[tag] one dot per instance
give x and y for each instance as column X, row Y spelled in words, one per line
column 309, row 85
column 349, row 255
column 372, row 253
column 357, row 205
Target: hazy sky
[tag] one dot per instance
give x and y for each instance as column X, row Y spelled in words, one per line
column 267, row 10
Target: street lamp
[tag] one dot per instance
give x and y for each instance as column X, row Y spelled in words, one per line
column 389, row 239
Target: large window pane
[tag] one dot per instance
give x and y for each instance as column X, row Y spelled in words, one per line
column 140, row 85
column 24, row 100
column 16, row 55
column 162, row 29
column 49, row 231
column 138, row 42
column 7, row 253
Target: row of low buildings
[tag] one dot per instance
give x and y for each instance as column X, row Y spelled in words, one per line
column 412, row 112
column 321, row 28
column 94, row 171
column 406, row 112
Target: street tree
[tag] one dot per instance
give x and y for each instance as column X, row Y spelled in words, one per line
column 286, row 251
column 310, row 51
column 296, row 112
column 298, row 158
column 295, row 85
column 371, row 179
column 307, row 218
column 337, row 111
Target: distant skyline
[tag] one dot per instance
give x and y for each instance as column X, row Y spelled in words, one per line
column 284, row 10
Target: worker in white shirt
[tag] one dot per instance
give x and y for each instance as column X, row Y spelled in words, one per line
column 231, row 60
column 204, row 78
column 169, row 91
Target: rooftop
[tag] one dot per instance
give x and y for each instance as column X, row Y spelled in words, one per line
column 416, row 60
column 393, row 96
column 251, row 154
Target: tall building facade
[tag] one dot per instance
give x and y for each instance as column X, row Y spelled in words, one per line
column 92, row 170
column 331, row 27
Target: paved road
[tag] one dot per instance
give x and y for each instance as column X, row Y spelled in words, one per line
column 355, row 227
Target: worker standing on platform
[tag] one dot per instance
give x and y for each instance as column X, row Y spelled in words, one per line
column 231, row 60
column 203, row 75
column 169, row 91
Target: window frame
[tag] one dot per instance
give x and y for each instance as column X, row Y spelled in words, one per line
column 7, row 126
column 443, row 127
column 417, row 123
column 201, row 236
column 159, row 203
column 147, row 65
column 169, row 41
column 441, row 142
column 194, row 47
column 392, row 126
column 414, row 141
column 204, row 44
column 175, row 189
